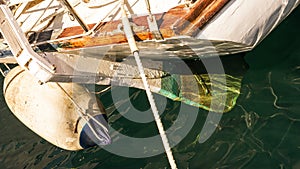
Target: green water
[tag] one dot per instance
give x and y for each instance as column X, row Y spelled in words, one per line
column 262, row 131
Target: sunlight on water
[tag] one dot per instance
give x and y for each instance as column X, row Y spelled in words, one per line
column 261, row 131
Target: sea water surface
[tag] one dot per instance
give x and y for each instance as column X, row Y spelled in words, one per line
column 262, row 131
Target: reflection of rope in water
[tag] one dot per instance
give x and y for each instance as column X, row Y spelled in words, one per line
column 273, row 93
column 103, row 90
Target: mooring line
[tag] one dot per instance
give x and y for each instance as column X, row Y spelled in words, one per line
column 135, row 51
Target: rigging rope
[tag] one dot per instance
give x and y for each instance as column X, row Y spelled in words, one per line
column 135, row 51
column 83, row 114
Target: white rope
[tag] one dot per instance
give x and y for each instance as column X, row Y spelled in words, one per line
column 134, row 49
column 149, row 10
column 112, row 14
column 83, row 114
column 40, row 18
column 155, row 112
column 2, row 72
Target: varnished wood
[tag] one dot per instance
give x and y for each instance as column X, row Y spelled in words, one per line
column 205, row 15
column 179, row 20
column 191, row 15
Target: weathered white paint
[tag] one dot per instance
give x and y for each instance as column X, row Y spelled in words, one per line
column 47, row 109
column 247, row 21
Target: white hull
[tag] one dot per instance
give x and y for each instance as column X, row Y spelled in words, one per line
column 247, row 21
column 240, row 21
column 238, row 27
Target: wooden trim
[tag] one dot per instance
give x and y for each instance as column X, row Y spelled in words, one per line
column 192, row 15
column 206, row 14
column 179, row 20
